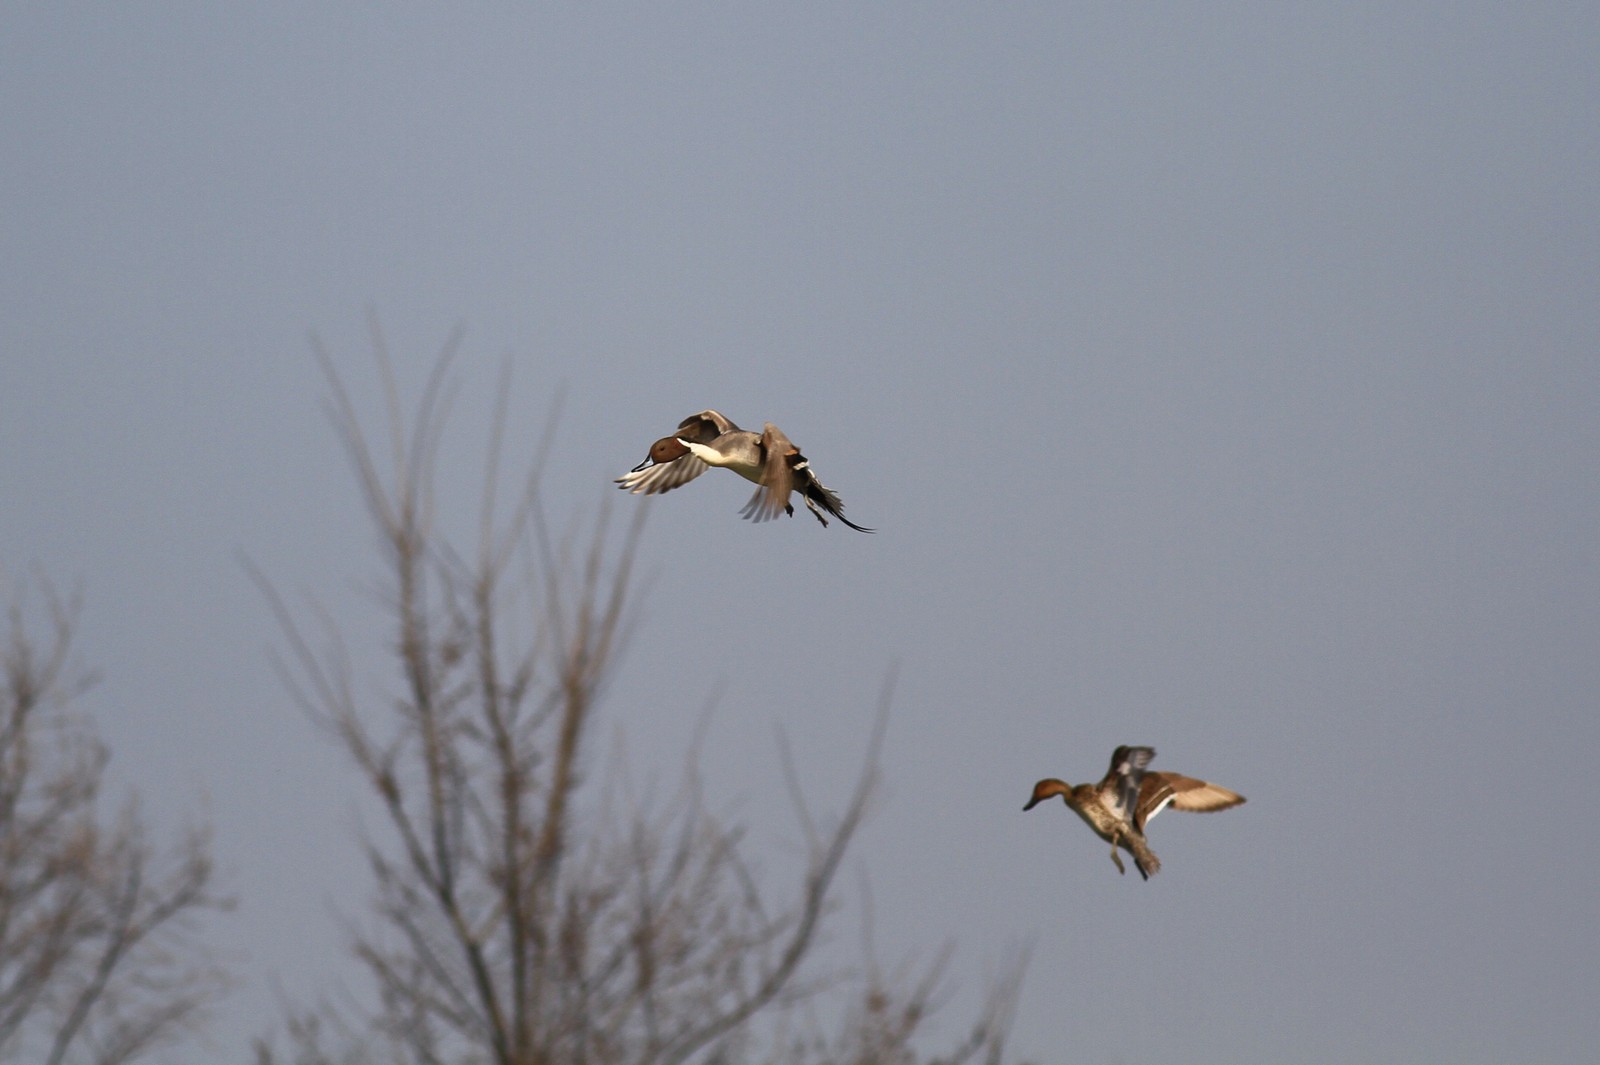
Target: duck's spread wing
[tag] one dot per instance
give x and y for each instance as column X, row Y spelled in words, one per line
column 663, row 476
column 706, row 426
column 777, row 478
column 1161, row 790
column 1119, row 791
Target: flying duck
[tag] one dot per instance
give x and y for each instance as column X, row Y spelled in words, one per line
column 1118, row 807
column 768, row 458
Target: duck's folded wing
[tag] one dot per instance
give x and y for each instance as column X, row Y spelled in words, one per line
column 1161, row 790
column 663, row 476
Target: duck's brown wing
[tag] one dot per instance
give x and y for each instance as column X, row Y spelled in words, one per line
column 777, row 477
column 706, row 426
column 1161, row 790
column 1119, row 791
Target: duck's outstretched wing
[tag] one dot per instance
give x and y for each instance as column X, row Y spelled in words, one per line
column 661, row 477
column 1161, row 790
column 705, row 426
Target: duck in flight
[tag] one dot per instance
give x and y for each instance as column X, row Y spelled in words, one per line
column 768, row 458
column 1131, row 794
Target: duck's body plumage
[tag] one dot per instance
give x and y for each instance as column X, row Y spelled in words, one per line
column 1130, row 794
column 768, row 458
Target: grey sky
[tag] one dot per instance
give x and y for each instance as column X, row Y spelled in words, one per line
column 1221, row 377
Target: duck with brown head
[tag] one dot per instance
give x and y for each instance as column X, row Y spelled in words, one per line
column 1127, row 797
column 768, row 458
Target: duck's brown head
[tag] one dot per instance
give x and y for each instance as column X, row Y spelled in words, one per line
column 664, row 450
column 1045, row 789
column 668, row 448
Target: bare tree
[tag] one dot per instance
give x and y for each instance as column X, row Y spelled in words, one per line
column 522, row 916
column 98, row 963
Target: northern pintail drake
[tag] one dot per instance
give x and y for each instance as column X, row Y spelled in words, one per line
column 1119, row 806
column 768, row 458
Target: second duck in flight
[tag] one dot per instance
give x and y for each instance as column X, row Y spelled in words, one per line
column 1119, row 806
column 768, row 458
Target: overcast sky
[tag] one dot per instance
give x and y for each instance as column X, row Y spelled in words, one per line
column 1221, row 377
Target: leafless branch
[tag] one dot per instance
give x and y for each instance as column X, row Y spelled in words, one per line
column 513, row 922
column 97, row 960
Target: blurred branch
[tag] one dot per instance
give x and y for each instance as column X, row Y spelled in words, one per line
column 96, row 956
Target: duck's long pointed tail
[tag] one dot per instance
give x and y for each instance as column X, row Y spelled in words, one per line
column 819, row 498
